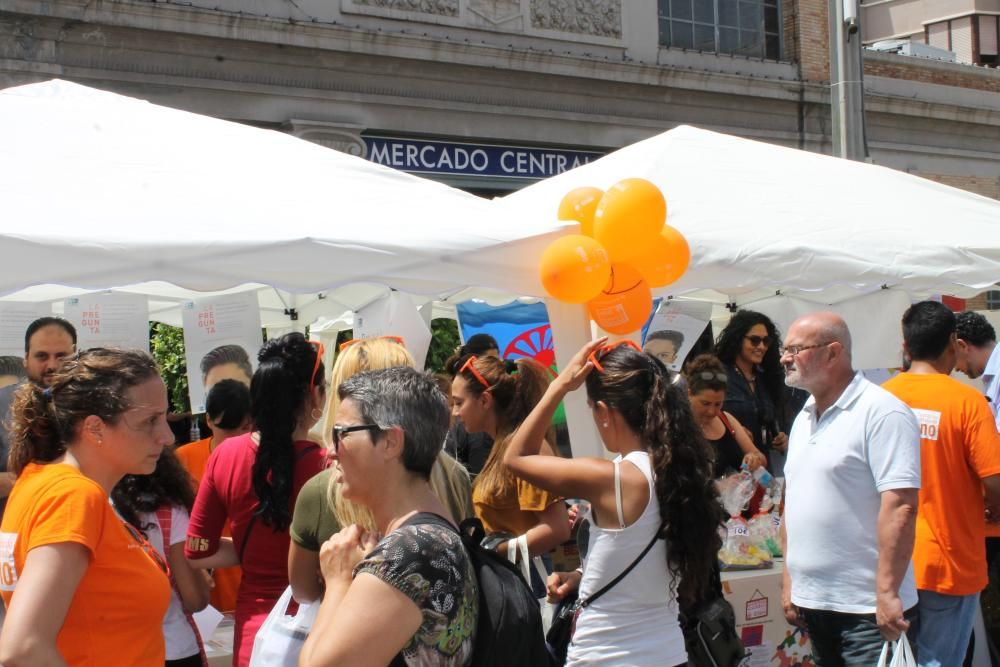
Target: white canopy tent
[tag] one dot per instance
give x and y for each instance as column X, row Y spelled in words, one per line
column 103, row 191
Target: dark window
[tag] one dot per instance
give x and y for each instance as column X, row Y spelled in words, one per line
column 993, row 300
column 745, row 27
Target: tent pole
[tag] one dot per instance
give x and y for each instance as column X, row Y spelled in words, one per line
column 570, row 331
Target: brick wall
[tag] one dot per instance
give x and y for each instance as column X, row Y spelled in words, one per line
column 973, row 78
column 812, row 30
column 987, row 186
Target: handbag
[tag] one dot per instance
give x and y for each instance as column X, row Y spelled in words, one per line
column 902, row 654
column 281, row 637
column 560, row 633
column 710, row 635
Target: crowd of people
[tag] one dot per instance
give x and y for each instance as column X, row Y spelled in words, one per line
column 351, row 487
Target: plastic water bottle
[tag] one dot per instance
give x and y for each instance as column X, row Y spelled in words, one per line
column 761, row 475
column 195, row 434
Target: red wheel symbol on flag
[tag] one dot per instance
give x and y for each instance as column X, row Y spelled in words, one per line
column 535, row 344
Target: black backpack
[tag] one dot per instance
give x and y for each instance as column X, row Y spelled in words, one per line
column 509, row 629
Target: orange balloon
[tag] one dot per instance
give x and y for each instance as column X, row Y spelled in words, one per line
column 625, row 303
column 629, row 216
column 574, row 268
column 666, row 259
column 579, row 205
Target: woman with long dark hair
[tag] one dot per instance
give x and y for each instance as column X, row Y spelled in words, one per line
column 252, row 482
column 748, row 347
column 80, row 586
column 159, row 505
column 658, row 490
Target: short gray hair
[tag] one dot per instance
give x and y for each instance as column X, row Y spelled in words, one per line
column 403, row 397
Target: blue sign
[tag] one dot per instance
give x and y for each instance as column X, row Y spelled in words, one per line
column 447, row 157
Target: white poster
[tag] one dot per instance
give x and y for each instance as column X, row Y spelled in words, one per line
column 395, row 315
column 674, row 330
column 232, row 319
column 109, row 319
column 15, row 316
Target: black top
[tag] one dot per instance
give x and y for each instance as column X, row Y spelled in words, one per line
column 728, row 455
column 753, row 408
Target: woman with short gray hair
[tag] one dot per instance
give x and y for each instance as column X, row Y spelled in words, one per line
column 409, row 598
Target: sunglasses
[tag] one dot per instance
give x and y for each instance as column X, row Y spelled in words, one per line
column 756, row 341
column 320, row 350
column 147, row 547
column 347, row 343
column 469, row 366
column 709, row 375
column 340, row 431
column 603, row 350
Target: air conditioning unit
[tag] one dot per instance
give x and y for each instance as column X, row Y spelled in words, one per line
column 905, row 47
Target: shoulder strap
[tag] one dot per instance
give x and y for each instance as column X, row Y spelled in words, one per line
column 614, row 582
column 618, row 492
column 725, row 422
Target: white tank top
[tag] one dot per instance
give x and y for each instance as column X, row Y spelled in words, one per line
column 635, row 623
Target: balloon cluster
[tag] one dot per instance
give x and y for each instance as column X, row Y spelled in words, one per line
column 625, row 248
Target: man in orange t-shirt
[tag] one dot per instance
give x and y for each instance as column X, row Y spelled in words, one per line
column 960, row 458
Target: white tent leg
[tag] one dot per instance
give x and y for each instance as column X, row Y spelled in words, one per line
column 570, row 331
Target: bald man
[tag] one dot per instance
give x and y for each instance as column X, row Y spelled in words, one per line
column 853, row 476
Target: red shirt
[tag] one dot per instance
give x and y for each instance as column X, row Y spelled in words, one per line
column 226, row 493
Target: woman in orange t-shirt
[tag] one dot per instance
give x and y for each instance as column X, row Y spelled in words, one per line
column 82, row 587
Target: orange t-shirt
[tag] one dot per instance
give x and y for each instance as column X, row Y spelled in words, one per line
column 959, row 446
column 116, row 614
column 194, row 458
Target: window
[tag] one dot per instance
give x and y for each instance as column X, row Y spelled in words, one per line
column 993, row 300
column 743, row 27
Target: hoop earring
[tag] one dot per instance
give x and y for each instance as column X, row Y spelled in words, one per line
column 315, row 416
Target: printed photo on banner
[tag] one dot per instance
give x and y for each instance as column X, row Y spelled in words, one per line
column 673, row 330
column 222, row 335
column 109, row 319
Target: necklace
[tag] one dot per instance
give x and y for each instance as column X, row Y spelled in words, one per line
column 751, row 380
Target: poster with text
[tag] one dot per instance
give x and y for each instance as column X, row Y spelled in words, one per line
column 15, row 316
column 109, row 319
column 395, row 315
column 674, row 329
column 211, row 322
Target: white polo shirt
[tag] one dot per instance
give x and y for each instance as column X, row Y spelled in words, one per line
column 865, row 443
column 991, row 383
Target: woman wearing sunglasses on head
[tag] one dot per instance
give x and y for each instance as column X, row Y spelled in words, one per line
column 79, row 586
column 706, row 381
column 748, row 347
column 494, row 396
column 321, row 509
column 654, row 505
column 251, row 481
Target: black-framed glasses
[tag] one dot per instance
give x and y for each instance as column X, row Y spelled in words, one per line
column 756, row 341
column 340, row 431
column 794, row 350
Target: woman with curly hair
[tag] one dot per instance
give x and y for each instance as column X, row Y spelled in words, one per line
column 658, row 486
column 748, row 347
column 81, row 587
column 252, row 482
column 159, row 505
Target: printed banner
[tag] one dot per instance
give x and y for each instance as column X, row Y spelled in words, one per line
column 395, row 315
column 674, row 329
column 109, row 319
column 232, row 319
column 15, row 316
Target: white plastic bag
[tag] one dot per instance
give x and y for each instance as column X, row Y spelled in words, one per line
column 520, row 545
column 902, row 654
column 279, row 640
